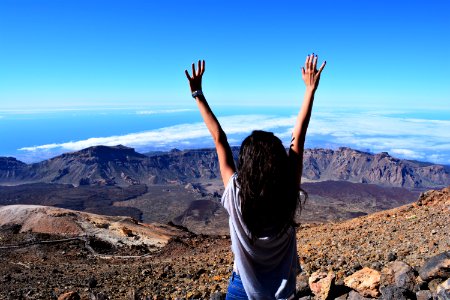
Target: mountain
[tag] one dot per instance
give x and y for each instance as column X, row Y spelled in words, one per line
column 12, row 169
column 357, row 166
column 120, row 165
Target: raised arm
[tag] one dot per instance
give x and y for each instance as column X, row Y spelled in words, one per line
column 226, row 162
column 311, row 77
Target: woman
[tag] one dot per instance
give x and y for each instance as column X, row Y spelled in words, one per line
column 262, row 196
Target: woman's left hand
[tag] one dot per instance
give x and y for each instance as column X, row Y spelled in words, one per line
column 195, row 82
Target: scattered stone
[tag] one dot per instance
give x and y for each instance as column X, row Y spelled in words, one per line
column 339, row 289
column 437, row 266
column 146, row 272
column 320, row 284
column 376, row 266
column 392, row 292
column 391, row 256
column 72, row 295
column 420, row 284
column 92, row 282
column 134, row 294
column 443, row 290
column 98, row 296
column 399, row 274
column 7, row 278
column 355, row 296
column 199, row 273
column 424, row 295
column 342, row 297
column 302, row 285
column 218, row 296
column 365, row 281
column 433, row 284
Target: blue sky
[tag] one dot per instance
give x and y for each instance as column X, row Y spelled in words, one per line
column 384, row 58
column 83, row 53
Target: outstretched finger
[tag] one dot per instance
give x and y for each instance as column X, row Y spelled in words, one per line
column 187, row 75
column 314, row 67
column 199, row 70
column 203, row 67
column 193, row 70
column 308, row 65
column 321, row 67
column 303, row 71
column 311, row 62
column 306, row 61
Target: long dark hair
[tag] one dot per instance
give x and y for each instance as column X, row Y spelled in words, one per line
column 269, row 192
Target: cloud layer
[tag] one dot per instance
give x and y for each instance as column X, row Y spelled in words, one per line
column 420, row 139
column 163, row 111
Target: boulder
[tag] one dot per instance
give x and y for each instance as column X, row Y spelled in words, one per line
column 302, row 285
column 366, row 282
column 399, row 274
column 443, row 290
column 392, row 292
column 320, row 284
column 435, row 267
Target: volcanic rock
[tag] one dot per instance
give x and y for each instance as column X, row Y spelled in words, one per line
column 320, row 284
column 399, row 274
column 106, row 229
column 443, row 290
column 391, row 292
column 424, row 295
column 365, row 281
column 437, row 266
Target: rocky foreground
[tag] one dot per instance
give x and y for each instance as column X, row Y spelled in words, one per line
column 402, row 253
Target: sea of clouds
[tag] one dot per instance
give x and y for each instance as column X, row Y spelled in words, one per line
column 409, row 138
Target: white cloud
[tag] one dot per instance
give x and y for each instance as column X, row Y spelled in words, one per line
column 410, row 138
column 407, row 152
column 182, row 133
column 427, row 140
column 163, row 111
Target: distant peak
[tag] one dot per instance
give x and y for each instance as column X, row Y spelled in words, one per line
column 117, row 147
column 105, row 152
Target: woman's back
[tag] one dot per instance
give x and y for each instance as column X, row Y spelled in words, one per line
column 266, row 265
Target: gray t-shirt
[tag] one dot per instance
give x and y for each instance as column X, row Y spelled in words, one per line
column 267, row 267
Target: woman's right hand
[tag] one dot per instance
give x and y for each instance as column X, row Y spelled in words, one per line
column 310, row 74
column 195, row 82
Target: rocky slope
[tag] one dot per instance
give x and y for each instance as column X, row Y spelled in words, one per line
column 120, row 165
column 196, row 267
column 124, row 231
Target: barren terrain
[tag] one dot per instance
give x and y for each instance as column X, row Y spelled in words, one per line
column 195, row 266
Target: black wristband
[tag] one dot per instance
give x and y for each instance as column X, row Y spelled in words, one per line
column 197, row 93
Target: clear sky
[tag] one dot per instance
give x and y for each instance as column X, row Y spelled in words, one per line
column 95, row 52
column 79, row 73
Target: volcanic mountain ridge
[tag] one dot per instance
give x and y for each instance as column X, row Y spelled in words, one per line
column 121, row 165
